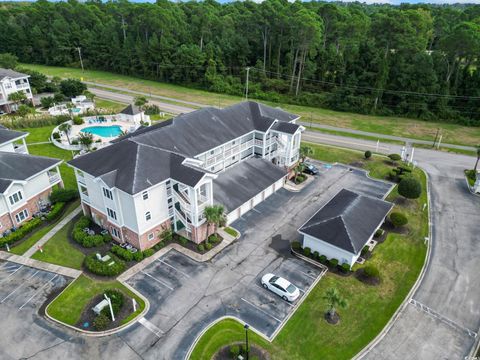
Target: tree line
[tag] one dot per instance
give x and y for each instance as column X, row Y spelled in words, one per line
column 412, row 60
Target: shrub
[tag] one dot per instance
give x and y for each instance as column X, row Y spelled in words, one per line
column 231, row 231
column 148, row 253
column 398, row 219
column 333, row 262
column 296, row 245
column 307, row 251
column 201, row 248
column 102, row 268
column 371, row 271
column 27, row 227
column 213, row 239
column 368, row 154
column 316, row 255
column 122, row 253
column 63, row 195
column 74, row 142
column 394, row 157
column 379, row 233
column 56, row 135
column 183, row 240
column 101, row 322
column 345, row 268
column 208, row 246
column 138, row 256
column 364, row 250
column 117, row 299
column 410, row 188
column 159, row 245
column 86, row 240
column 322, row 259
column 55, row 211
column 234, row 351
column 77, row 120
column 93, row 241
column 471, row 174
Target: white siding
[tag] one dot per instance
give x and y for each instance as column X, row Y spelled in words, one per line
column 7, row 147
column 330, row 251
column 156, row 204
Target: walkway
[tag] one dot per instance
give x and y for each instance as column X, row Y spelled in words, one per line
column 53, row 231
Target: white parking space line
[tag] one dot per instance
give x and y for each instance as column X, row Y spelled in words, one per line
column 303, row 291
column 12, row 273
column 10, row 267
column 261, row 310
column 272, row 295
column 256, row 210
column 18, row 287
column 310, row 276
column 174, row 268
column 38, row 291
column 157, row 280
column 151, row 327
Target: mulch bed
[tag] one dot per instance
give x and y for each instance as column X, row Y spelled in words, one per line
column 88, row 315
column 333, row 320
column 359, row 274
column 258, row 352
column 388, row 226
column 192, row 246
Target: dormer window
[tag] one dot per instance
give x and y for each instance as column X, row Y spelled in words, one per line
column 15, row 198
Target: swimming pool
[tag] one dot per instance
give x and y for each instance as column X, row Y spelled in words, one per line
column 103, row 131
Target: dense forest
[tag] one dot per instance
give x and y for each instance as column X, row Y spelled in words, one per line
column 410, row 60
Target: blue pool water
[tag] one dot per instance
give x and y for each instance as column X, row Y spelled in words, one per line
column 103, row 131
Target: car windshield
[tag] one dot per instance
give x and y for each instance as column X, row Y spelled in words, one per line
column 291, row 288
column 273, row 279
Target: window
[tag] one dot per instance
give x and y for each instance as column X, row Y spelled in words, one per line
column 15, row 197
column 151, row 236
column 112, row 214
column 21, row 216
column 148, row 216
column 107, row 193
column 145, row 195
column 115, row 232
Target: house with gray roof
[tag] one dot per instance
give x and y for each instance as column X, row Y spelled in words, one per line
column 134, row 115
column 10, row 82
column 165, row 175
column 26, row 181
column 342, row 227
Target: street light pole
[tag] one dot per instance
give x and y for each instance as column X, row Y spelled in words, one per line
column 80, row 56
column 246, row 89
column 247, row 350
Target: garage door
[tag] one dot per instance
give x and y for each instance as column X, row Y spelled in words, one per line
column 279, row 184
column 257, row 199
column 245, row 207
column 234, row 215
column 268, row 191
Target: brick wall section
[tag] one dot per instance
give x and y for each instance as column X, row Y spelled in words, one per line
column 6, row 222
column 199, row 233
column 157, row 230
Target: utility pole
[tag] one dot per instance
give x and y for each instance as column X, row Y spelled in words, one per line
column 246, row 89
column 436, row 137
column 80, row 56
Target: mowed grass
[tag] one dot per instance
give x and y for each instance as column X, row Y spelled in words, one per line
column 37, row 235
column 109, row 106
column 307, row 335
column 59, row 251
column 68, row 306
column 398, row 126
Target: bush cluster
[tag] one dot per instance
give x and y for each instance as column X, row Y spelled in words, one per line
column 370, row 271
column 399, row 173
column 117, row 299
column 398, row 219
column 77, row 120
column 122, row 253
column 26, row 228
column 201, row 248
column 296, row 245
column 104, row 268
column 55, row 211
column 86, row 240
column 183, row 240
column 101, row 322
column 63, row 195
column 148, row 252
column 410, row 188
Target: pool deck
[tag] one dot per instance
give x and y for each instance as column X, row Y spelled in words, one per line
column 89, row 122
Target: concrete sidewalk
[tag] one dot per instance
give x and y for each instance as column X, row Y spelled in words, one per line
column 55, row 229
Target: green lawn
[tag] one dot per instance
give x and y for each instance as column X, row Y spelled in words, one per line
column 452, row 133
column 307, row 335
column 109, row 106
column 68, row 306
column 59, row 251
column 231, row 231
column 29, row 242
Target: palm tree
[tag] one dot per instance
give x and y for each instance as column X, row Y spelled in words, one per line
column 86, row 139
column 478, row 158
column 305, row 151
column 298, row 170
column 65, row 128
column 215, row 215
column 334, row 300
column 17, row 97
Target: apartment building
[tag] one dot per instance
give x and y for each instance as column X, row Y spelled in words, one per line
column 11, row 82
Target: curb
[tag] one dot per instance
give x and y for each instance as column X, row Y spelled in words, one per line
column 469, row 187
column 106, row 332
column 414, row 288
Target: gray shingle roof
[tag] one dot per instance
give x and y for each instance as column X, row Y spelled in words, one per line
column 15, row 166
column 348, row 220
column 7, row 134
column 131, row 110
column 11, row 73
column 243, row 181
column 285, row 127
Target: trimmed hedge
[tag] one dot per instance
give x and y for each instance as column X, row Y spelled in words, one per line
column 398, row 219
column 333, row 262
column 307, row 251
column 101, row 268
column 148, row 252
column 122, row 253
column 55, row 211
column 345, row 268
column 368, row 154
column 322, row 259
column 296, row 245
column 86, row 240
column 63, row 195
column 18, row 234
column 370, row 271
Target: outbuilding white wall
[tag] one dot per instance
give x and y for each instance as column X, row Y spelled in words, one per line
column 330, row 251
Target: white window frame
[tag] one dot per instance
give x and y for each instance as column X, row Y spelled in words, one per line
column 151, row 236
column 145, row 195
column 111, row 214
column 19, row 197
column 17, row 216
column 107, row 193
column 148, row 216
column 115, row 232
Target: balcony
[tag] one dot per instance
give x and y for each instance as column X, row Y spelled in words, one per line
column 54, row 178
column 85, row 197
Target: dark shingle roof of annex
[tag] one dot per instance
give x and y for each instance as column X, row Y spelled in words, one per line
column 11, row 74
column 133, row 167
column 131, row 110
column 348, row 220
column 7, row 134
column 14, row 166
column 199, row 131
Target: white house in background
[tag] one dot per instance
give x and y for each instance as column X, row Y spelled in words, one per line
column 10, row 82
column 165, row 175
column 26, row 181
column 133, row 114
column 341, row 228
column 80, row 105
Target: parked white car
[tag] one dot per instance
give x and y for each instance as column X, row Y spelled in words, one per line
column 280, row 286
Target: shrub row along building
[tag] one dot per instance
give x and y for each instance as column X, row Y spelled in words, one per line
column 165, row 175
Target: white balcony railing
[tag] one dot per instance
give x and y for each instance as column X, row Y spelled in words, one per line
column 53, row 178
column 20, row 149
column 85, row 197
